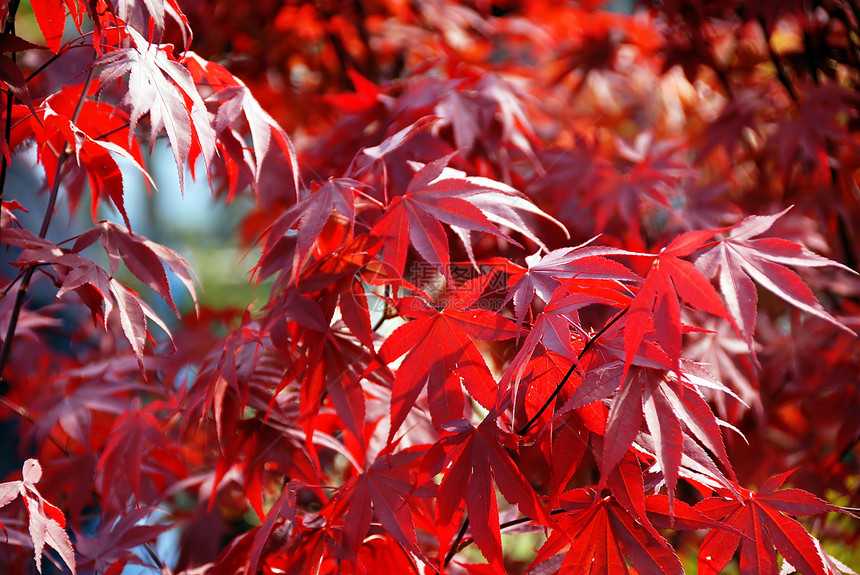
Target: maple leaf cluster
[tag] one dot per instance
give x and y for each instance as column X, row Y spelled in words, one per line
column 525, row 268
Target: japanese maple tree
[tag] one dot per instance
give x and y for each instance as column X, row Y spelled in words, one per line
column 579, row 278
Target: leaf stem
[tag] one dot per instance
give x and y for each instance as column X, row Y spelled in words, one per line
column 525, row 429
column 385, row 312
column 382, row 319
column 369, row 198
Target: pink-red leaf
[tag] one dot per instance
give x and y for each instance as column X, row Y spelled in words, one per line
column 739, row 258
column 595, row 537
column 51, row 18
column 436, row 195
column 478, row 457
column 656, row 306
column 163, row 88
column 46, row 522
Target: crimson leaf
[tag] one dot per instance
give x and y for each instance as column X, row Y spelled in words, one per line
column 761, row 525
column 441, row 353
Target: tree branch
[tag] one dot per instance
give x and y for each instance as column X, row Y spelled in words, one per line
column 43, row 231
column 7, row 129
column 456, row 543
column 777, row 63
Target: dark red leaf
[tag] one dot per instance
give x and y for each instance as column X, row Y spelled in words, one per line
column 596, row 534
column 760, row 525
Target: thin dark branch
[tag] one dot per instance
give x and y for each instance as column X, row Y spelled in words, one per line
column 508, row 524
column 8, row 288
column 112, row 132
column 155, row 559
column 7, row 129
column 43, row 231
column 80, row 104
column 385, row 315
column 28, row 275
column 777, row 63
column 454, row 546
column 525, row 429
column 23, row 413
column 54, row 57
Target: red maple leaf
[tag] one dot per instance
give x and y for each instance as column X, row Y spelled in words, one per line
column 441, row 354
column 552, row 327
column 163, row 88
column 656, row 306
column 235, row 102
column 438, row 195
column 148, row 16
column 137, row 456
column 99, row 133
column 12, row 76
column 671, row 406
column 543, row 275
column 311, row 215
column 332, row 369
column 597, row 536
column 107, row 298
column 51, row 18
column 809, row 137
column 115, row 539
column 143, row 257
column 383, row 490
column 648, row 172
column 762, row 526
column 478, row 457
